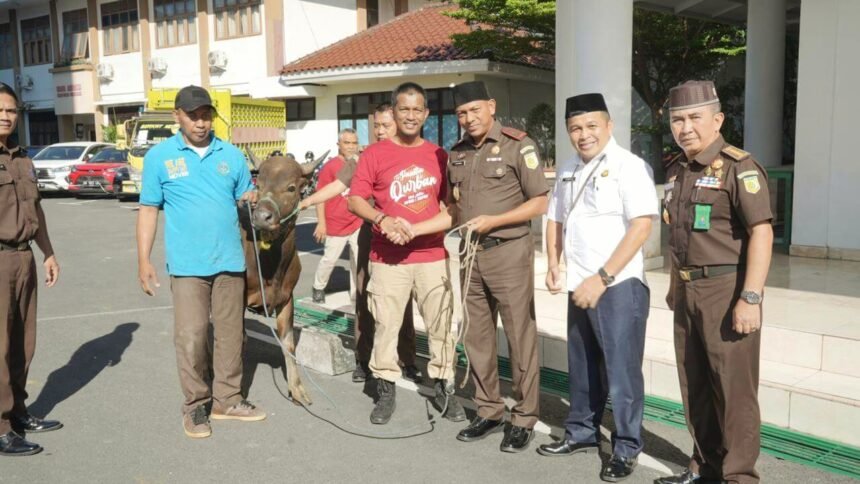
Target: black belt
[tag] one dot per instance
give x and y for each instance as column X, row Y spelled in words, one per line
column 16, row 247
column 688, row 274
column 490, row 242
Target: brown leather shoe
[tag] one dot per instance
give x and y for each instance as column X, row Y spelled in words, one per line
column 244, row 411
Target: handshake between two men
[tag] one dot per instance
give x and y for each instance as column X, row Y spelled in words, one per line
column 400, row 231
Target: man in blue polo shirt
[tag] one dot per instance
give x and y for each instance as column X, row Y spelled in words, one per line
column 197, row 179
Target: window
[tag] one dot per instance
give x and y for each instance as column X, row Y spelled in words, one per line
column 355, row 111
column 237, row 18
column 372, row 13
column 301, row 109
column 441, row 126
column 119, row 27
column 75, row 37
column 36, row 40
column 175, row 23
column 7, row 55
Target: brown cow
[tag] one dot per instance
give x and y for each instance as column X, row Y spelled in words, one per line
column 279, row 184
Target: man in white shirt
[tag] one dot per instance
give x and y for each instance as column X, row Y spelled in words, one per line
column 600, row 213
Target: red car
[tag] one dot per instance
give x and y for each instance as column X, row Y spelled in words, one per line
column 102, row 175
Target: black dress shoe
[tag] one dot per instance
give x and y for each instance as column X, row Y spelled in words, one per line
column 413, row 374
column 618, row 468
column 567, row 447
column 359, row 374
column 12, row 444
column 517, row 440
column 480, row 428
column 686, row 477
column 29, row 423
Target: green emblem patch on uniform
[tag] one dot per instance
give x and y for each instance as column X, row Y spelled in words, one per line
column 751, row 184
column 532, row 161
column 703, row 217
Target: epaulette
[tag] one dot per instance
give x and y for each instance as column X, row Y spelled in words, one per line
column 514, row 133
column 673, row 161
column 735, row 153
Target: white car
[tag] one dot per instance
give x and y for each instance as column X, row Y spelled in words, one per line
column 54, row 163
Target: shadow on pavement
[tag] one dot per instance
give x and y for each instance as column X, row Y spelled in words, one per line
column 83, row 367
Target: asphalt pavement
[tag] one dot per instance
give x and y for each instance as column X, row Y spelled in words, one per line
column 105, row 366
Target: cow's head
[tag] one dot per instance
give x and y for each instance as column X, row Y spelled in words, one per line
column 279, row 184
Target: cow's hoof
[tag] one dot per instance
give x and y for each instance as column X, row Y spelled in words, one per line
column 300, row 396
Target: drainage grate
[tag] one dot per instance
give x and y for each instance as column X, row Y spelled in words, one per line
column 779, row 442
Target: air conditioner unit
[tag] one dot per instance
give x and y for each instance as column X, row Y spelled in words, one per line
column 218, row 60
column 104, row 71
column 24, row 82
column 157, row 65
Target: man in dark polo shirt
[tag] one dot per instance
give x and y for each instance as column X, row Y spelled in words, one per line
column 718, row 210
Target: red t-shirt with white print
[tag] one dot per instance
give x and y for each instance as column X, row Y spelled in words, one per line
column 339, row 221
column 407, row 182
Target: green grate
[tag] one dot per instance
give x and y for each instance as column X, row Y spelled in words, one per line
column 783, row 443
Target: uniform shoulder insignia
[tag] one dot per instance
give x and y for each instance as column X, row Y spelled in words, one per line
column 514, row 133
column 735, row 153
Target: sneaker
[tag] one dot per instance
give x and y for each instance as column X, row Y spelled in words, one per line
column 196, row 423
column 386, row 404
column 243, row 411
column 318, row 296
column 446, row 401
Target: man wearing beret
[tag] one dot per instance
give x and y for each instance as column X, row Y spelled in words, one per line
column 718, row 210
column 496, row 184
column 600, row 214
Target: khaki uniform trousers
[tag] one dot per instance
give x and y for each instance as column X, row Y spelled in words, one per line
column 390, row 289
column 364, row 323
column 195, row 300
column 502, row 283
column 719, row 372
column 17, row 331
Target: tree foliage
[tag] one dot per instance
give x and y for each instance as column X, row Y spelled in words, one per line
column 507, row 29
column 667, row 49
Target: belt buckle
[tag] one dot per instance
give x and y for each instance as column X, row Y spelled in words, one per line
column 684, row 275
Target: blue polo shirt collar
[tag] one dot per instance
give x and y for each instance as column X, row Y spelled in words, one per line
column 215, row 144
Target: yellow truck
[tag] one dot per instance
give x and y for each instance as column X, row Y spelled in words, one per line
column 250, row 124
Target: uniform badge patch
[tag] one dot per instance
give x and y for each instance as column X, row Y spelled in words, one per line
column 751, row 184
column 531, row 159
column 496, row 150
column 527, row 149
column 605, row 173
column 223, row 168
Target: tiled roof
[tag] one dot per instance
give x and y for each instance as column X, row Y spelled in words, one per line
column 418, row 36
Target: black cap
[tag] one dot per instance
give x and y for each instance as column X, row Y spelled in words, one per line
column 584, row 103
column 470, row 91
column 190, row 98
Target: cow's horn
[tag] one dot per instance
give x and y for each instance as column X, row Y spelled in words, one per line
column 308, row 168
column 256, row 161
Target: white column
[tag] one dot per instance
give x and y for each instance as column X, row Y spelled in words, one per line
column 594, row 52
column 765, row 70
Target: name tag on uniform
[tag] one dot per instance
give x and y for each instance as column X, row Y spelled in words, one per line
column 708, row 182
column 458, row 163
column 495, row 158
column 568, row 179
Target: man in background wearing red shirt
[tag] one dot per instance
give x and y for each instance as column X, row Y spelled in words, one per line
column 336, row 225
column 405, row 176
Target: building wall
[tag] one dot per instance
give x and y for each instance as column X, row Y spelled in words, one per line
column 305, row 33
column 826, row 170
column 246, row 57
column 321, row 134
column 127, row 82
column 41, row 96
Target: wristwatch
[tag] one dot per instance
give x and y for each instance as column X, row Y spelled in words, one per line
column 605, row 277
column 751, row 297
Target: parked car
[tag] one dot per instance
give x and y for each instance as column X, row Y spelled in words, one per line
column 103, row 174
column 54, row 163
column 35, row 150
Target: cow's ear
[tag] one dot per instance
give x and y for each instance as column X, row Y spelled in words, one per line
column 308, row 168
column 256, row 161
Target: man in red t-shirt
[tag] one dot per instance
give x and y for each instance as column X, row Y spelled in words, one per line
column 336, row 225
column 405, row 176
